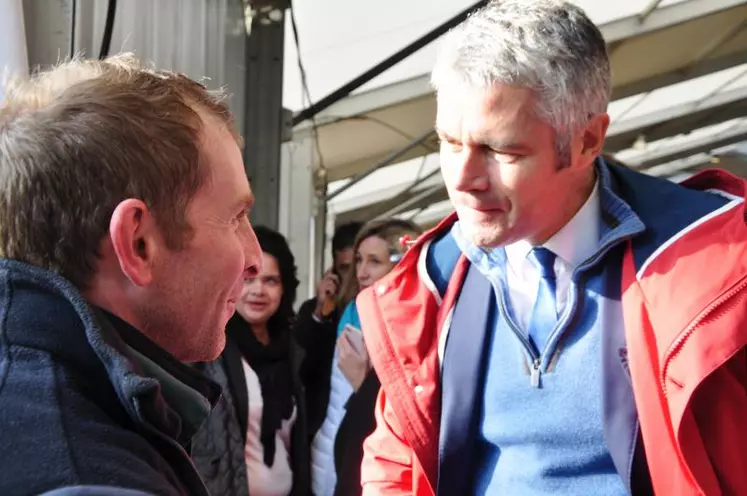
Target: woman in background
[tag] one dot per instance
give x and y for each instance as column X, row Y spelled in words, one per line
column 337, row 447
column 254, row 442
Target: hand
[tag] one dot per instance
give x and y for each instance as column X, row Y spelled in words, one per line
column 354, row 364
column 326, row 291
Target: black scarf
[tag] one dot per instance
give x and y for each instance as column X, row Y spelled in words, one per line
column 273, row 367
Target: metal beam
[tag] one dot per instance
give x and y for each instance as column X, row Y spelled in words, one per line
column 698, row 69
column 689, row 147
column 718, row 41
column 387, row 161
column 664, row 17
column 264, row 117
column 429, row 196
column 384, row 65
column 678, row 119
column 297, row 206
column 393, row 205
column 649, row 9
column 370, row 100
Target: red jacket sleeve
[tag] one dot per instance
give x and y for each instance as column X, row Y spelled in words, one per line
column 387, row 458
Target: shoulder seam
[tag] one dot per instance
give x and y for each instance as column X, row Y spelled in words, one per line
column 679, row 235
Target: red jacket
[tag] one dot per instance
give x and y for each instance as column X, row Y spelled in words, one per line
column 685, row 314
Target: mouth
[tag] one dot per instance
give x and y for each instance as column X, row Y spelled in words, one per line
column 256, row 305
column 485, row 211
column 487, row 208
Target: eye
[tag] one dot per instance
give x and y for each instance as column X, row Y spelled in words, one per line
column 242, row 216
column 449, row 145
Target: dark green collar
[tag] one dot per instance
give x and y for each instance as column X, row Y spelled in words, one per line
column 189, row 393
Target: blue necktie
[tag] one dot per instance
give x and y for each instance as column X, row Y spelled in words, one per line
column 544, row 314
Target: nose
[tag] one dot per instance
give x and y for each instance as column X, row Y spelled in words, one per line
column 470, row 170
column 361, row 272
column 254, row 286
column 252, row 255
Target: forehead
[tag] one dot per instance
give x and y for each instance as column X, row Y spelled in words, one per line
column 221, row 156
column 464, row 110
column 372, row 244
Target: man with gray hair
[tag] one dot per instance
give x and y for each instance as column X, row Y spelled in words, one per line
column 558, row 333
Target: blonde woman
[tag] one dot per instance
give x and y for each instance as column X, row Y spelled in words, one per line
column 378, row 248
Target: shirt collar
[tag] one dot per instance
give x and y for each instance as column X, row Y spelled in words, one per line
column 574, row 243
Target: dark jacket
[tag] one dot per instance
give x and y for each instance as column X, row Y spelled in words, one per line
column 357, row 424
column 83, row 403
column 218, row 448
column 317, row 339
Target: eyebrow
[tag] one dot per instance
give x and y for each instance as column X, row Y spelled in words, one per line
column 246, row 201
column 444, row 135
column 507, row 145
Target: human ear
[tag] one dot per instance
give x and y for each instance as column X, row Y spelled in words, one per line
column 135, row 239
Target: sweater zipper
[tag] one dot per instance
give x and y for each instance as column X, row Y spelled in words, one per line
column 536, row 365
column 535, row 372
column 710, row 310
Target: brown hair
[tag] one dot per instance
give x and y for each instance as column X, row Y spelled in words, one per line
column 80, row 138
column 391, row 231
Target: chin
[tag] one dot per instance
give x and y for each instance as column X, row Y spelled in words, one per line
column 206, row 350
column 486, row 236
column 485, row 231
column 256, row 320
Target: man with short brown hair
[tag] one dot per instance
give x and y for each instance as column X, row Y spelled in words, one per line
column 125, row 241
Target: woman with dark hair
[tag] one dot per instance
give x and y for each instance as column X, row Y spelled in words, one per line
column 254, row 442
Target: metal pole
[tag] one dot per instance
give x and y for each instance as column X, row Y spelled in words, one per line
column 404, row 206
column 382, row 66
column 649, row 8
column 388, row 160
column 263, row 110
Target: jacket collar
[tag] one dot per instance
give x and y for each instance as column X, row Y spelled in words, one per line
column 189, row 393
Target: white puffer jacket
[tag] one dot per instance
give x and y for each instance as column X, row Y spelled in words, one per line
column 323, row 475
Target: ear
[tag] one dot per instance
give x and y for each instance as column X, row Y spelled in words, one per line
column 592, row 139
column 136, row 240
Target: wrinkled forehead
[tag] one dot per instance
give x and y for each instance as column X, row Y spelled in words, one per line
column 463, row 110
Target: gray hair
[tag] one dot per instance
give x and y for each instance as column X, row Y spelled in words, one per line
column 549, row 46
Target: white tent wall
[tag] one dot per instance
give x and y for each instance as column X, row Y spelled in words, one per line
column 201, row 38
column 13, row 58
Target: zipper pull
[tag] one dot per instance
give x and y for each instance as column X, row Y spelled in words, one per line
column 535, row 380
